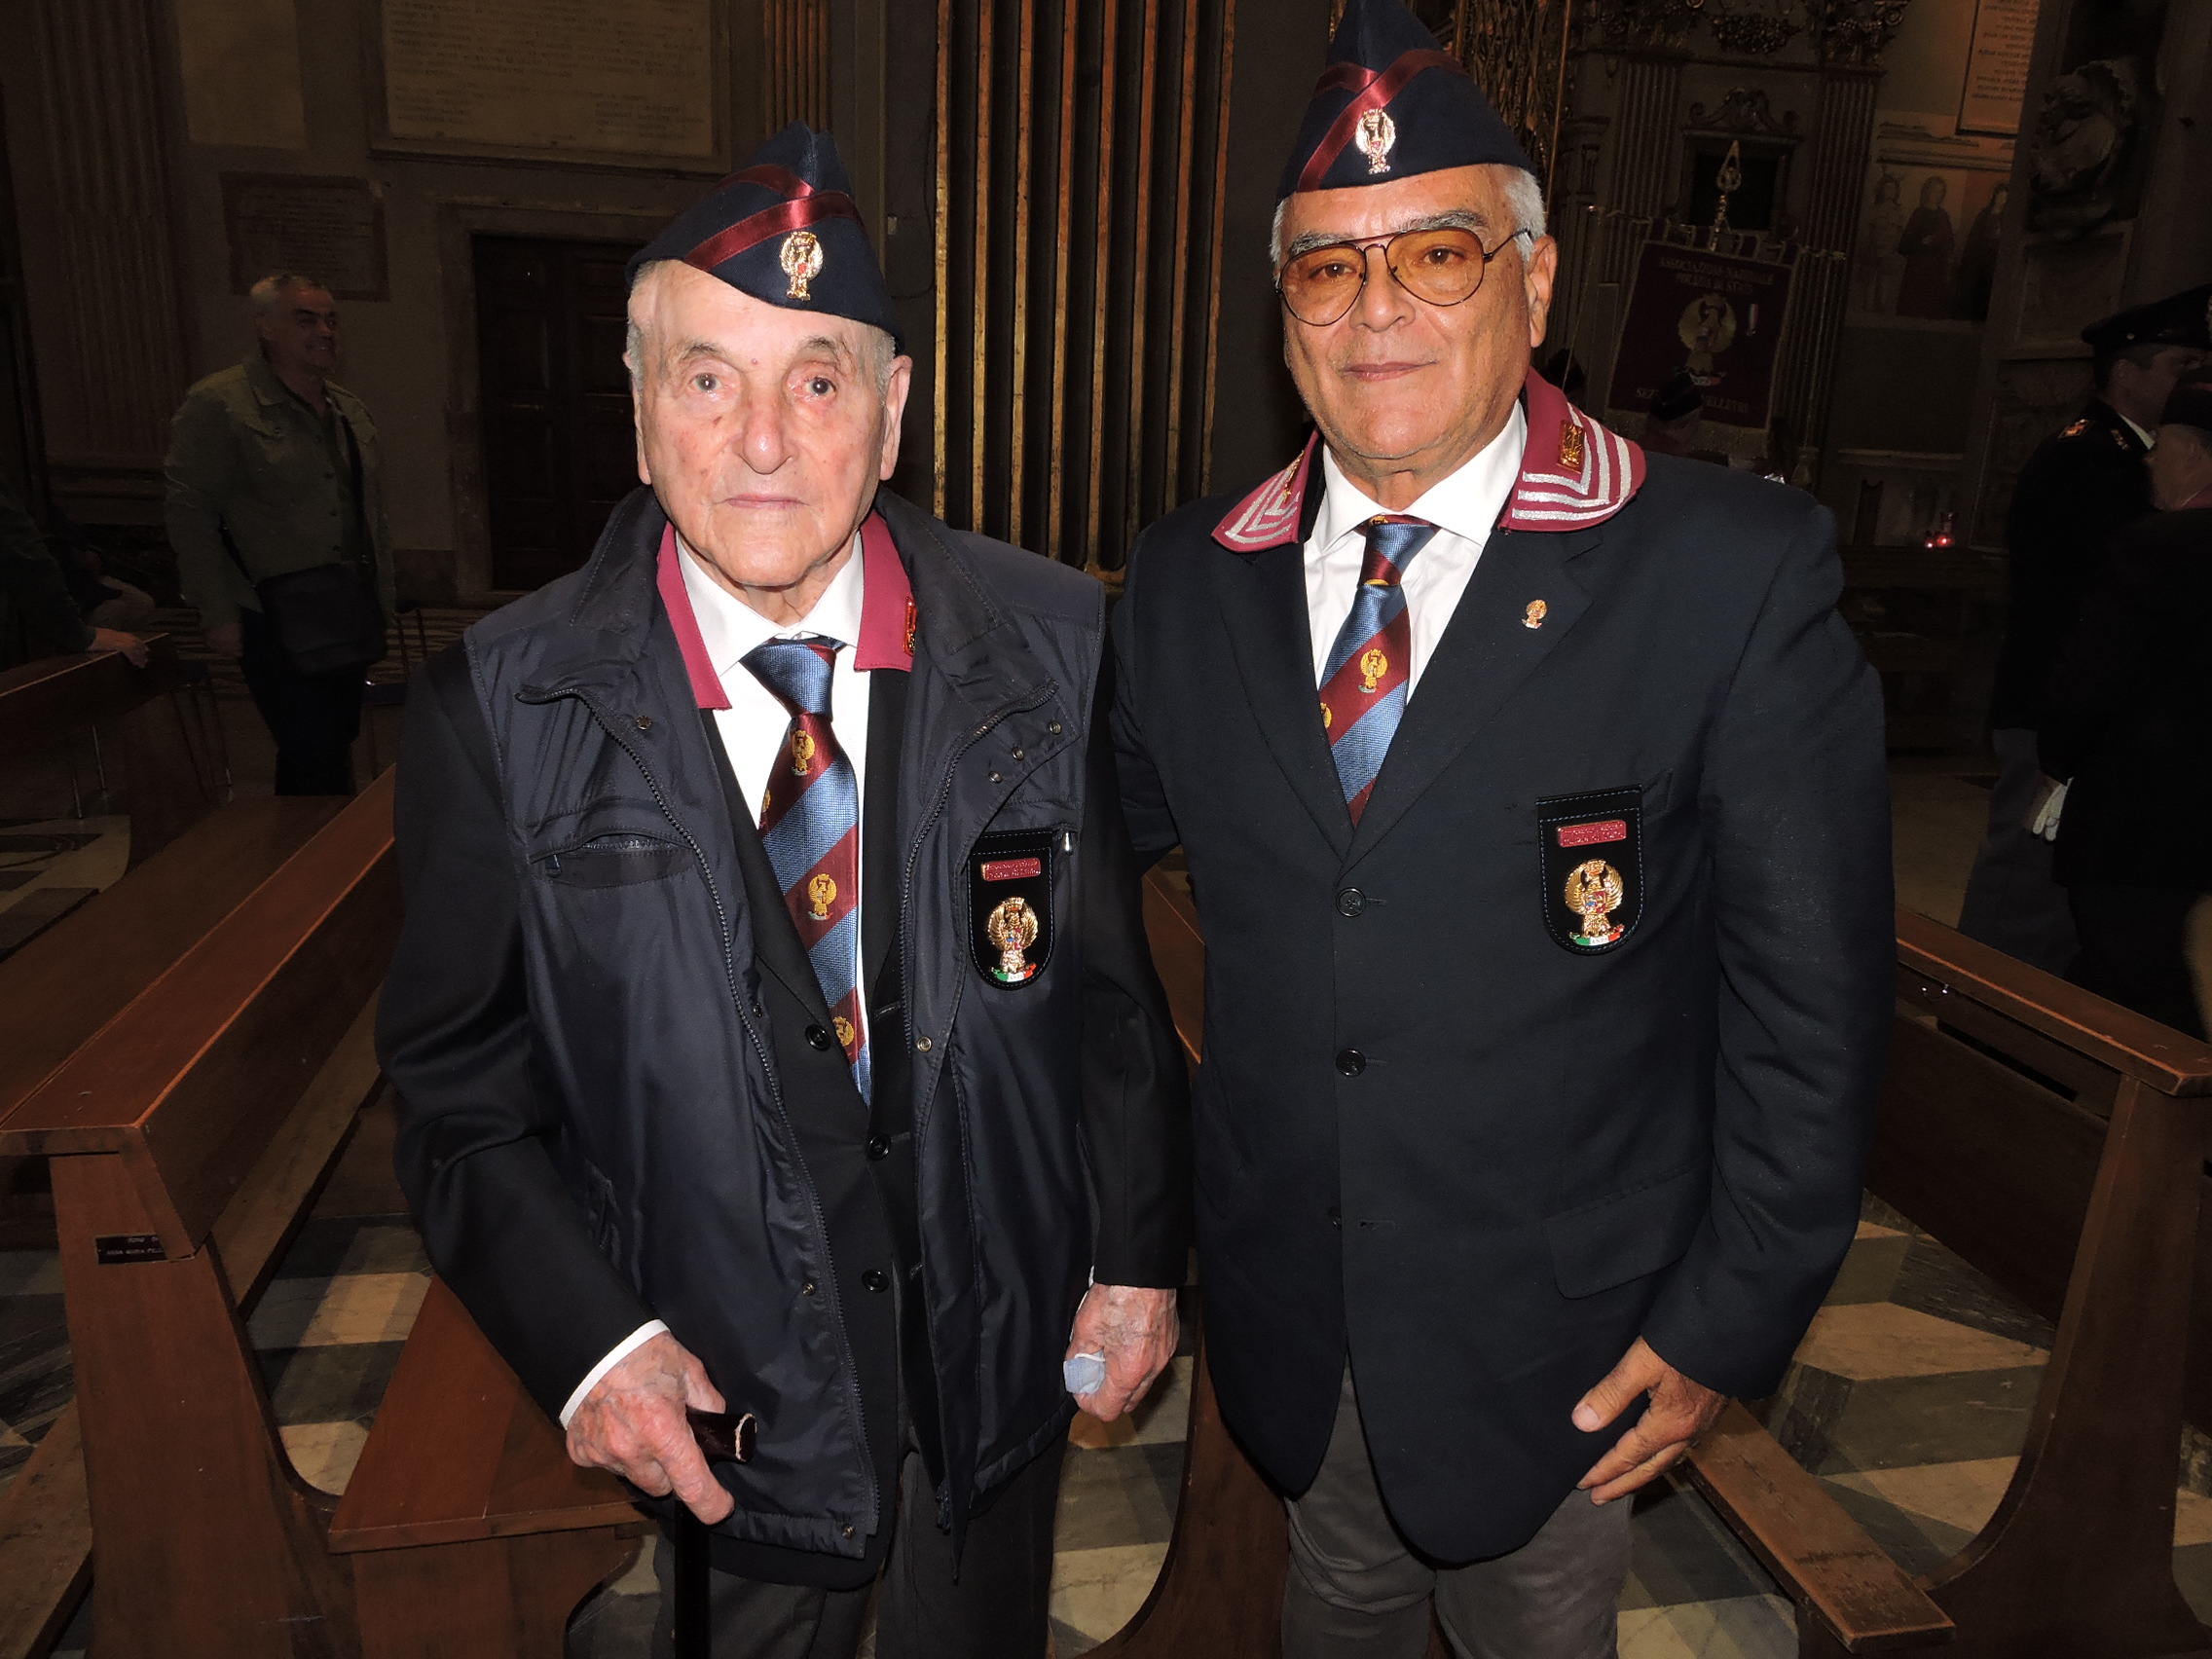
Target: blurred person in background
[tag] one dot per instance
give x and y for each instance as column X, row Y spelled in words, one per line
column 273, row 469
column 2081, row 485
column 2125, row 716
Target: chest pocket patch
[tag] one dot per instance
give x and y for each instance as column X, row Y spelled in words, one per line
column 1591, row 859
column 1009, row 905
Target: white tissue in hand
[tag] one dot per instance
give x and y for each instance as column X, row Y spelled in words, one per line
column 1085, row 1373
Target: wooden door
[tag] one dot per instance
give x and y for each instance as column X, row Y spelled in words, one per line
column 555, row 400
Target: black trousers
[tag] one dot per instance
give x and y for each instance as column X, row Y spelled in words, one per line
column 994, row 1609
column 2134, row 950
column 315, row 717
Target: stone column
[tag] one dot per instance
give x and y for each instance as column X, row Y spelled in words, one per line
column 1836, row 163
column 111, row 272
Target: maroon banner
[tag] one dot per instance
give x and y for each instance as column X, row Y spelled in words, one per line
column 1716, row 316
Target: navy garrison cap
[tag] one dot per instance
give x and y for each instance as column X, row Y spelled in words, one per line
column 1390, row 105
column 2179, row 319
column 784, row 228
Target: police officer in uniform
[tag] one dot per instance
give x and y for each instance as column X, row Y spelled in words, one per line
column 2126, row 715
column 1534, row 805
column 2080, row 486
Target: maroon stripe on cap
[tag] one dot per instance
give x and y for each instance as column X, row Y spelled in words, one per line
column 782, row 180
column 1372, row 94
column 757, row 227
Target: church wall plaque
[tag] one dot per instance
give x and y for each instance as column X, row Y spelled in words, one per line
column 570, row 81
column 331, row 229
column 1997, row 67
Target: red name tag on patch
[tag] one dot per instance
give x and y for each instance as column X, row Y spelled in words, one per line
column 1590, row 834
column 1021, row 869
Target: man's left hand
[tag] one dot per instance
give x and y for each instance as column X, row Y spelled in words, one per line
column 1680, row 1411
column 1135, row 1328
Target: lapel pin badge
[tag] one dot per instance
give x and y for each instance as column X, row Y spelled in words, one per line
column 1534, row 616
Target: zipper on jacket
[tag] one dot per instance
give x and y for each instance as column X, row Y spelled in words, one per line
column 614, row 731
column 906, row 882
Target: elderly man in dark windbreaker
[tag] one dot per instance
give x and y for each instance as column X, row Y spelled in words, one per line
column 773, row 1017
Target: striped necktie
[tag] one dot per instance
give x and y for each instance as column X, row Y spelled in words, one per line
column 810, row 820
column 1364, row 685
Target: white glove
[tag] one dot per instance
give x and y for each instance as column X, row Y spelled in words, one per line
column 2045, row 823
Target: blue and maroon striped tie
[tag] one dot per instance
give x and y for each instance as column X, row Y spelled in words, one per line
column 1365, row 683
column 810, row 820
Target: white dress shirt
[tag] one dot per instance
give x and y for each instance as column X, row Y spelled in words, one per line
column 752, row 730
column 1463, row 506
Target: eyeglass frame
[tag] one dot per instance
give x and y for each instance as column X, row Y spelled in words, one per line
column 1384, row 244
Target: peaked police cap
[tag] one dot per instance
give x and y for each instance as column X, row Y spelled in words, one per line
column 1390, row 105
column 784, row 228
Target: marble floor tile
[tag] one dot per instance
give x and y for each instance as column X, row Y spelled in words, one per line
column 1869, row 1272
column 1893, row 1422
column 325, row 1452
column 358, row 1308
column 1864, row 1341
column 1749, row 1627
column 1096, row 1591
column 1932, row 1280
column 1121, row 1497
column 328, row 1248
column 1162, row 1416
column 328, row 1384
column 1681, row 1551
column 30, row 1272
column 1962, row 1495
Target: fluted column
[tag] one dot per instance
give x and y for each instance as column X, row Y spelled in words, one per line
column 113, row 274
column 1836, row 165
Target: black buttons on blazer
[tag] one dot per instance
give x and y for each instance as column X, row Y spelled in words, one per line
column 1350, row 902
column 876, row 1278
column 818, row 1039
column 877, row 1147
column 1351, row 1063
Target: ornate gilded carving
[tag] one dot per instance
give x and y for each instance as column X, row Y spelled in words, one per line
column 1648, row 25
column 1853, row 34
column 1515, row 49
column 1760, row 29
column 1746, row 111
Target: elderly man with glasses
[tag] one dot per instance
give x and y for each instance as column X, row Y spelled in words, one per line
column 1533, row 800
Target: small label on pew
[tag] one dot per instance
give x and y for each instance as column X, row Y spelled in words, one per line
column 114, row 1249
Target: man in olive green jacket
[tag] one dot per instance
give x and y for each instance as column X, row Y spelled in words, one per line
column 272, row 468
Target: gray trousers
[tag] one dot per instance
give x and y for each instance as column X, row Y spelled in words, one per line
column 1356, row 1587
column 996, row 1609
column 2012, row 902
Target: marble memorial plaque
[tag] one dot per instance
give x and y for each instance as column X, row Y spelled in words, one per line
column 552, row 79
column 331, row 229
column 1997, row 67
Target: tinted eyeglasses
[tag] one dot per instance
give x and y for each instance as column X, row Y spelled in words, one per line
column 1444, row 267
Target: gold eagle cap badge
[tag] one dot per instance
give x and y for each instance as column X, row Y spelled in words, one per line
column 1534, row 616
column 801, row 260
column 1377, row 137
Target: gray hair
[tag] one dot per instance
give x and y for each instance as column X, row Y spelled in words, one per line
column 1522, row 194
column 277, row 284
column 885, row 349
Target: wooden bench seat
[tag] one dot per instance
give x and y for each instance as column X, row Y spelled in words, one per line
column 469, row 1533
column 45, row 702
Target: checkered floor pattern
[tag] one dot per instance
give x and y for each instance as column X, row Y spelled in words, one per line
column 1909, row 1398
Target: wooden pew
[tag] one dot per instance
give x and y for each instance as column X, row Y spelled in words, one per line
column 54, row 994
column 187, row 1140
column 2009, row 1172
column 43, row 702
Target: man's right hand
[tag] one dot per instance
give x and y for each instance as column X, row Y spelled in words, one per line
column 226, row 638
column 114, row 640
column 633, row 1423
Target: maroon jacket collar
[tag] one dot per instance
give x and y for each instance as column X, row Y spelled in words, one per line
column 1574, row 473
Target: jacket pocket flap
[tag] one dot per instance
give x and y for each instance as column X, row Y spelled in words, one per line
column 614, row 861
column 1629, row 1234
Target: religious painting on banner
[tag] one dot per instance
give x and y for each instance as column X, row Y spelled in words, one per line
column 1716, row 316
